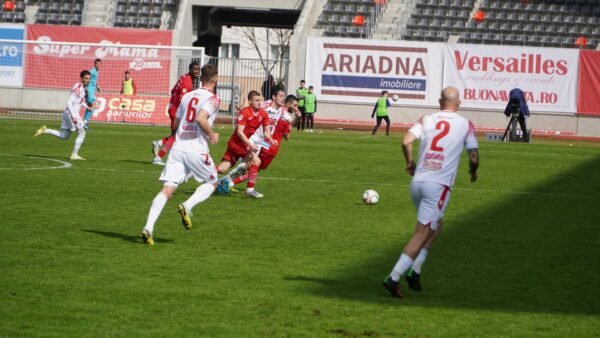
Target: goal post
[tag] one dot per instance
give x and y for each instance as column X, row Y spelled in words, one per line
column 49, row 70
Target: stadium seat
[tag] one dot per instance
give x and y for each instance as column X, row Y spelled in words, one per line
column 43, row 7
column 20, row 6
column 75, row 20
column 66, row 7
column 53, row 18
column 546, row 41
column 155, row 23
column 144, row 10
column 130, row 21
column 54, row 7
column 412, row 23
column 120, row 21
column 146, row 2
column 459, row 25
column 41, row 18
column 550, row 29
column 142, row 22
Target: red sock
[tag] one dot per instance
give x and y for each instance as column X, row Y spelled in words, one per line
column 166, row 146
column 165, row 140
column 252, row 173
column 240, row 179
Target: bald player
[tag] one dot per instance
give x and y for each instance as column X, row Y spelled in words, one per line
column 442, row 135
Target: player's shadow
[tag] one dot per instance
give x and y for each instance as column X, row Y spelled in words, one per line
column 535, row 252
column 125, row 237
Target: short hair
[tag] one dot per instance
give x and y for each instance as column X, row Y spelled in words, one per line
column 290, row 98
column 311, row 87
column 97, row 60
column 252, row 94
column 192, row 64
column 302, row 81
column 127, row 72
column 276, row 89
column 384, row 92
column 208, row 72
column 84, row 73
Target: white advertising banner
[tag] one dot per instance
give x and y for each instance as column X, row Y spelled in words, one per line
column 357, row 71
column 486, row 74
column 11, row 55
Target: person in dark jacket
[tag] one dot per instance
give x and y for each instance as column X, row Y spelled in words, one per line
column 517, row 103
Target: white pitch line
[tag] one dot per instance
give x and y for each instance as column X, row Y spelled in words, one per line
column 64, row 165
column 545, row 194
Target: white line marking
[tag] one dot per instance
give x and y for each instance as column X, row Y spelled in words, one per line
column 64, row 165
column 545, row 194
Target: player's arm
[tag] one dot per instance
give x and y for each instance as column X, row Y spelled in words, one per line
column 268, row 136
column 407, row 142
column 473, row 163
column 134, row 87
column 202, row 119
column 240, row 133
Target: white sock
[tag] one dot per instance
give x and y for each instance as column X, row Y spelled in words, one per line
column 237, row 170
column 200, row 195
column 418, row 263
column 159, row 142
column 78, row 143
column 250, row 189
column 60, row 134
column 157, row 205
column 401, row 267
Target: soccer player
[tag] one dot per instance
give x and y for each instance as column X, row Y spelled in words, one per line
column 380, row 109
column 184, row 85
column 190, row 153
column 270, row 150
column 92, row 87
column 300, row 92
column 442, row 137
column 240, row 147
column 71, row 119
column 310, row 108
column 128, row 87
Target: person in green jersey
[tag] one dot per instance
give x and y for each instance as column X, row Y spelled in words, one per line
column 380, row 109
column 128, row 87
column 310, row 108
column 300, row 92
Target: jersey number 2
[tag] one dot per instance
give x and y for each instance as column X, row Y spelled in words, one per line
column 190, row 114
column 445, row 127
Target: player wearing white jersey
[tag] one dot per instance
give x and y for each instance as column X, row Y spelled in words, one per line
column 443, row 136
column 190, row 154
column 71, row 120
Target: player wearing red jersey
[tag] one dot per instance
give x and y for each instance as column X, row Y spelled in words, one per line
column 184, row 85
column 240, row 146
column 269, row 150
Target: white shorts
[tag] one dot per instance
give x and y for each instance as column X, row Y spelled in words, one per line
column 180, row 164
column 430, row 200
column 71, row 123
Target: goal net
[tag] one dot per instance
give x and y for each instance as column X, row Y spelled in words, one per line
column 50, row 69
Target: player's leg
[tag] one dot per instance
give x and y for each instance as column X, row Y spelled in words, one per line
column 161, row 147
column 303, row 118
column 413, row 276
column 379, row 118
column 62, row 134
column 387, row 125
column 79, row 140
column 202, row 167
column 299, row 121
column 91, row 102
column 310, row 121
column 253, row 163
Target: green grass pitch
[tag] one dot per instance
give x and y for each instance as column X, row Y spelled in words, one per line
column 519, row 256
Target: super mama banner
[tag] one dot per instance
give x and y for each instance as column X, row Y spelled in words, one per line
column 58, row 66
column 356, row 70
column 485, row 75
column 588, row 101
column 11, row 55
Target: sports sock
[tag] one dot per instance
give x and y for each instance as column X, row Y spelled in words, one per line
column 200, row 195
column 160, row 142
column 240, row 179
column 252, row 173
column 241, row 168
column 78, row 142
column 418, row 263
column 60, row 134
column 157, row 205
column 166, row 146
column 401, row 267
column 88, row 115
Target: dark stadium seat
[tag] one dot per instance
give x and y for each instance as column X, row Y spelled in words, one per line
column 144, row 10
column 54, row 7
column 155, row 23
column 142, row 22
column 120, row 21
column 43, row 7
column 75, row 20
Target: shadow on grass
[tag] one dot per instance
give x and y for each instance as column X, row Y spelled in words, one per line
column 128, row 238
column 532, row 252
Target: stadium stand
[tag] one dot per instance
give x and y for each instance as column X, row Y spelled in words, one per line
column 142, row 13
column 555, row 23
column 350, row 18
column 15, row 16
column 62, row 12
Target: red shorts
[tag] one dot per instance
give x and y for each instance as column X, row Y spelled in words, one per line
column 265, row 160
column 234, row 152
column 172, row 115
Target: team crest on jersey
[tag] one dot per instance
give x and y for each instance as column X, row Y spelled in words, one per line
column 240, row 117
column 184, row 90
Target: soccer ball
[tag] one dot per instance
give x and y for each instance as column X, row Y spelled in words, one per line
column 370, row 197
column 395, row 97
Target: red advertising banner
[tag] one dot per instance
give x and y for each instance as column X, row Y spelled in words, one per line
column 132, row 109
column 58, row 66
column 588, row 100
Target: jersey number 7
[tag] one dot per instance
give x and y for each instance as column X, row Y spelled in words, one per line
column 445, row 127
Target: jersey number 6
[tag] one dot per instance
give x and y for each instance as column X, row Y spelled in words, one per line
column 190, row 114
column 445, row 127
